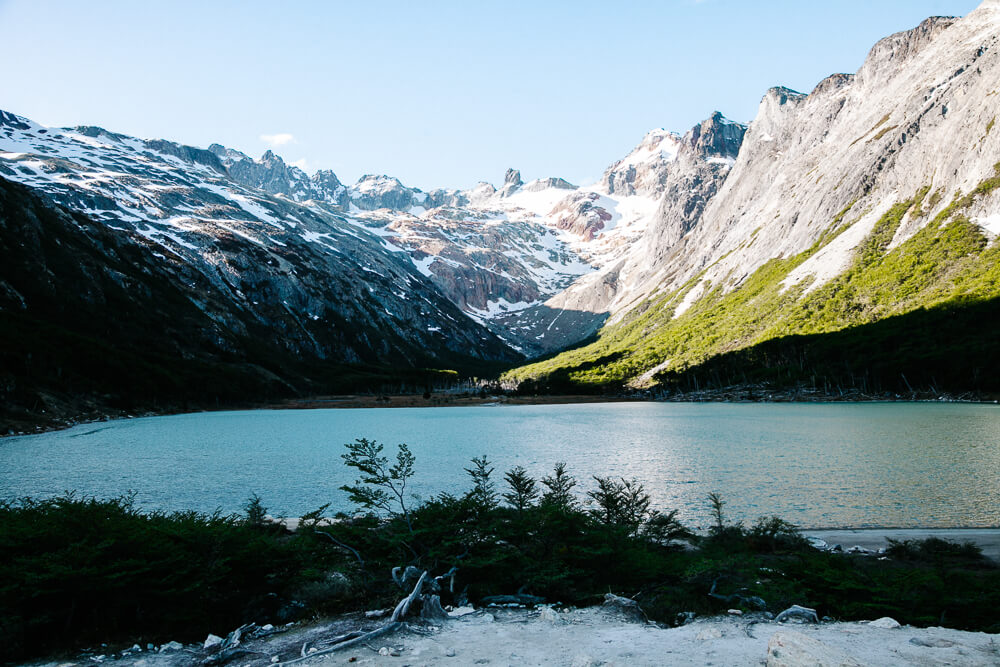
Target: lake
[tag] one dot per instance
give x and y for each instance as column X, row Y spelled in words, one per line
column 818, row 465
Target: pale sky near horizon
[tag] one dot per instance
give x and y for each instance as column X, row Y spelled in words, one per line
column 438, row 94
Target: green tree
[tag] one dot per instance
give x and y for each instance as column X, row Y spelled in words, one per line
column 559, row 484
column 381, row 487
column 483, row 493
column 256, row 513
column 523, row 489
column 624, row 503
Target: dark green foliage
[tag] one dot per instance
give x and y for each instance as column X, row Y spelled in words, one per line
column 523, row 489
column 934, row 550
column 560, row 489
column 941, row 348
column 621, row 504
column 255, row 512
column 75, row 571
column 483, row 494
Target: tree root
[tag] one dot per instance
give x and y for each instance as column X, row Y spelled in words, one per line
column 386, row 629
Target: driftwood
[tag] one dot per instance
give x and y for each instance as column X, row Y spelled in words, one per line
column 431, row 610
column 404, row 605
column 364, row 637
column 795, row 611
column 230, row 649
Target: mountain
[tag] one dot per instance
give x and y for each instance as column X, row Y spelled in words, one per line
column 870, row 198
column 296, row 296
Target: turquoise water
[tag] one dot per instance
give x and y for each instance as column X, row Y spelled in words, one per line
column 819, row 465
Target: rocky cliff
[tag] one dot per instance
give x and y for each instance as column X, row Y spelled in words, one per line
column 869, row 197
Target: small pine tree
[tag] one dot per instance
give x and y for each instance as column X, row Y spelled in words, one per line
column 559, row 485
column 483, row 493
column 523, row 489
column 256, row 513
column 715, row 500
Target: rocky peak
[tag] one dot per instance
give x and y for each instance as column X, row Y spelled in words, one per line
column 373, row 192
column 511, row 182
column 642, row 171
column 714, row 138
column 889, row 55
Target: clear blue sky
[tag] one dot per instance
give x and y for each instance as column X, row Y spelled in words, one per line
column 439, row 94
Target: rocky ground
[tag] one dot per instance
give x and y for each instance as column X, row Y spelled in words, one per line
column 585, row 637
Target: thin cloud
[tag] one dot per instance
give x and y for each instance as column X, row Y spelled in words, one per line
column 276, row 140
column 301, row 163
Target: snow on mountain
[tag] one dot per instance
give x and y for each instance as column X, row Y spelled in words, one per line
column 329, row 287
column 495, row 253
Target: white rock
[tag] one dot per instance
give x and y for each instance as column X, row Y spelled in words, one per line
column 376, row 613
column 549, row 615
column 171, row 646
column 794, row 649
column 275, row 658
column 734, row 612
column 267, row 627
column 449, row 652
column 212, row 641
column 884, row 622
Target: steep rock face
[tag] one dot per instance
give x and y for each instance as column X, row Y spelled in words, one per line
column 895, row 164
column 914, row 116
